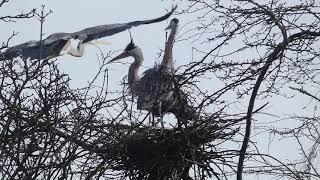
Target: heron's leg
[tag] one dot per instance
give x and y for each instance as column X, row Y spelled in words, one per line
column 161, row 121
column 161, row 115
column 159, row 108
column 151, row 120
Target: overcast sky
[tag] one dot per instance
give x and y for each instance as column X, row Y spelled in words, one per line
column 74, row 15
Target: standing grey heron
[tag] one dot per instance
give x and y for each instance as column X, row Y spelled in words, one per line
column 59, row 44
column 155, row 87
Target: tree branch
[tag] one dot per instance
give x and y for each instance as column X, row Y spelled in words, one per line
column 301, row 90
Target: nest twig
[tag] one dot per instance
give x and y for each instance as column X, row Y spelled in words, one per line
column 151, row 153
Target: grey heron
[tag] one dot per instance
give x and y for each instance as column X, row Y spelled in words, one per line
column 155, row 87
column 58, row 44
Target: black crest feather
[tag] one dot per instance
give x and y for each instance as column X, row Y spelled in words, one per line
column 130, row 46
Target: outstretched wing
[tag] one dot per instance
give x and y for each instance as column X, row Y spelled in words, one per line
column 50, row 48
column 150, row 21
column 97, row 32
column 53, row 44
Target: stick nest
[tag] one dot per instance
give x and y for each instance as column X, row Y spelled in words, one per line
column 151, row 153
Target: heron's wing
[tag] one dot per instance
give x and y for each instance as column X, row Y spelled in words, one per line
column 19, row 50
column 150, row 21
column 31, row 50
column 53, row 44
column 51, row 47
column 97, row 32
column 53, row 38
column 154, row 87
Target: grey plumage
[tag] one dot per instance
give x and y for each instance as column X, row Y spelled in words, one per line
column 97, row 32
column 156, row 85
column 59, row 43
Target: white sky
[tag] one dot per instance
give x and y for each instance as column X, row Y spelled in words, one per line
column 74, row 15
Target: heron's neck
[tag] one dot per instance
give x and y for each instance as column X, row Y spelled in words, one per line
column 168, row 59
column 133, row 75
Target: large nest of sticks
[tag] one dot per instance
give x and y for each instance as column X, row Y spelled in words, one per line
column 152, row 153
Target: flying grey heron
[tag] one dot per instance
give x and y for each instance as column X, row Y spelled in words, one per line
column 59, row 44
column 155, row 87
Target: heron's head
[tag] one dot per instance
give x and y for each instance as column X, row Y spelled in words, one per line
column 173, row 23
column 130, row 50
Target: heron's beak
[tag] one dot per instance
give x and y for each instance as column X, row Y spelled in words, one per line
column 120, row 56
column 102, row 42
column 169, row 27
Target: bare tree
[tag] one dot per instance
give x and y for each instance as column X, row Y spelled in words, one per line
column 49, row 130
column 12, row 18
column 261, row 47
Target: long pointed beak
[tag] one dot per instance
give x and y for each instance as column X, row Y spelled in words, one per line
column 169, row 27
column 102, row 42
column 120, row 56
